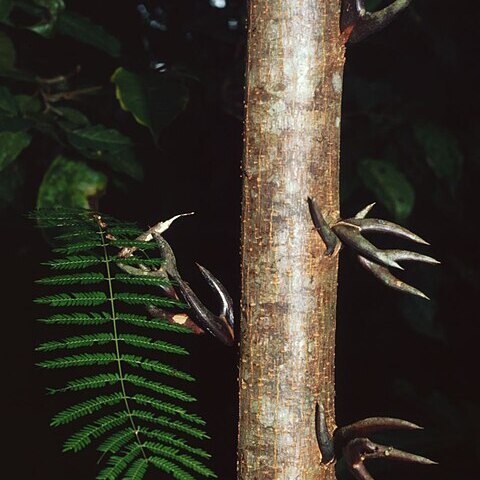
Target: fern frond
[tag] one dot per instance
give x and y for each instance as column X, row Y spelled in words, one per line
column 152, row 323
column 155, row 366
column 77, row 247
column 148, row 262
column 120, row 416
column 129, row 230
column 77, row 318
column 174, row 441
column 147, row 299
column 115, row 442
column 85, row 408
column 82, row 360
column 77, row 342
column 169, row 467
column 79, row 440
column 88, row 383
column 169, row 423
column 117, row 464
column 142, row 280
column 84, row 437
column 147, row 342
column 169, row 408
column 137, row 470
column 89, row 278
column 143, row 382
column 173, row 454
column 126, row 243
column 76, row 299
column 74, row 262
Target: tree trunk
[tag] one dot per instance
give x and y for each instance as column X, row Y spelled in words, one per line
column 292, row 140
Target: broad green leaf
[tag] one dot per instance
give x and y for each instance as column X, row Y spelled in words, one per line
column 153, row 99
column 442, row 152
column 12, row 179
column 28, row 104
column 11, row 145
column 14, row 124
column 73, row 118
column 71, row 184
column 46, row 11
column 5, row 7
column 109, row 146
column 84, row 30
column 390, row 187
column 8, row 105
column 7, row 53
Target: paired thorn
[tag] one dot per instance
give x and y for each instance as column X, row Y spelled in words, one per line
column 377, row 261
column 358, row 24
column 221, row 326
column 356, row 448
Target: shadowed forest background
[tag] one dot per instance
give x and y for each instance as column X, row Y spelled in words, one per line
column 410, row 130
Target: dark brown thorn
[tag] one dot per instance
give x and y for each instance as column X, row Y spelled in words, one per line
column 226, row 300
column 324, row 439
column 366, row 23
column 328, row 236
column 358, row 450
column 351, row 235
column 384, row 226
column 218, row 326
column 370, row 425
column 385, row 276
column 365, row 211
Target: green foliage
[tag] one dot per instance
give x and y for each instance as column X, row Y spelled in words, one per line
column 134, row 430
column 52, row 109
column 71, row 184
column 442, row 152
column 154, row 100
column 389, row 185
column 11, row 146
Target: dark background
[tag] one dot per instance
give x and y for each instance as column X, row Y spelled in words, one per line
column 396, row 356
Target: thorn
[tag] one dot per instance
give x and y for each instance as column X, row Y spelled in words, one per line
column 324, row 439
column 370, row 425
column 365, row 211
column 384, row 226
column 367, row 23
column 218, row 325
column 351, row 235
column 328, row 236
column 357, row 450
column 385, row 276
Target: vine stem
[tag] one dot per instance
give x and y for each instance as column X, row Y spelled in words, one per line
column 116, row 340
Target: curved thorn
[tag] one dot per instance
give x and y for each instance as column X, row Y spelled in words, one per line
column 218, row 326
column 358, row 450
column 227, row 303
column 370, row 425
column 351, row 235
column 367, row 23
column 405, row 255
column 328, row 236
column 384, row 275
column 324, row 439
column 384, row 226
column 365, row 211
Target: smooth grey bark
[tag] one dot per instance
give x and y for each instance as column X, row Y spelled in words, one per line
column 292, row 143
